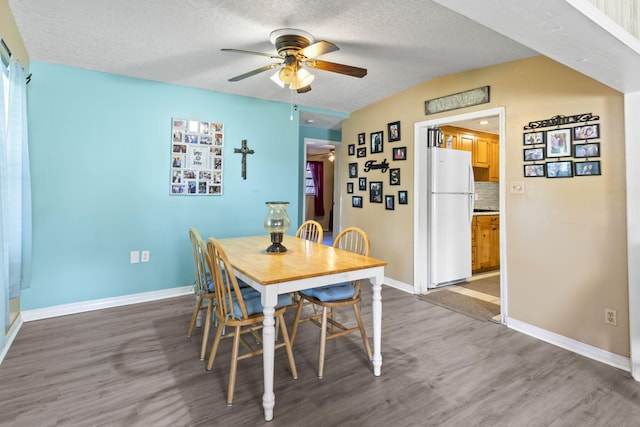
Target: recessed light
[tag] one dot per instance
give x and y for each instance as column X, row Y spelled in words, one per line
column 484, row 122
column 309, row 121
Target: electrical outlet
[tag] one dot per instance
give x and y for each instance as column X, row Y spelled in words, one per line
column 135, row 257
column 145, row 256
column 610, row 317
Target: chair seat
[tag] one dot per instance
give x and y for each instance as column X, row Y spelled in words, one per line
column 242, row 284
column 253, row 302
column 339, row 291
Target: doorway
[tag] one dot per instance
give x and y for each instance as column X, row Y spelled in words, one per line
column 321, row 152
column 420, row 190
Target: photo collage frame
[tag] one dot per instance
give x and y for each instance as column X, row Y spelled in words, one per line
column 564, row 152
column 374, row 146
column 196, row 157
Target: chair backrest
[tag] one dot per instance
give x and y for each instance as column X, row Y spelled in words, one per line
column 353, row 239
column 228, row 292
column 199, row 261
column 310, row 230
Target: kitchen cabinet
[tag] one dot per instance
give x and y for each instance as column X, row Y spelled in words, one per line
column 484, row 148
column 485, row 240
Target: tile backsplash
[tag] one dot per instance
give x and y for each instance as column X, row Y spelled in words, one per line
column 488, row 196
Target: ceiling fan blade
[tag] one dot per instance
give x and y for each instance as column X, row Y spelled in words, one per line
column 305, row 89
column 319, row 48
column 254, row 72
column 337, row 68
column 269, row 55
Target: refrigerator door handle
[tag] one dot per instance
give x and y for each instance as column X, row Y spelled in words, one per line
column 472, row 190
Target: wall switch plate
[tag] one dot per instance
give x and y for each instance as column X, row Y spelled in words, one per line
column 145, row 256
column 516, row 187
column 135, row 257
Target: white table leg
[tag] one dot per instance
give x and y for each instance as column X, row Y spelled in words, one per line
column 377, row 326
column 269, row 300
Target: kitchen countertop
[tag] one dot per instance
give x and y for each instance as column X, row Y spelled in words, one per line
column 486, row 213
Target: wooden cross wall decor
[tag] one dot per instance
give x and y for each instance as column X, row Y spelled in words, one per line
column 244, row 150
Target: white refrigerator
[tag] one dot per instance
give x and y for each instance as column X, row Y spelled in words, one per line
column 450, row 212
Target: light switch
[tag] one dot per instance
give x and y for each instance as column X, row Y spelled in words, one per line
column 517, row 187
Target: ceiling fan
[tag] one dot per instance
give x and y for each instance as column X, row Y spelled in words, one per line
column 296, row 49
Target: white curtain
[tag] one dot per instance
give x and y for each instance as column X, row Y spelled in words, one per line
column 15, row 191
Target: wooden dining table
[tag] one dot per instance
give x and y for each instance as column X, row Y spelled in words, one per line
column 304, row 265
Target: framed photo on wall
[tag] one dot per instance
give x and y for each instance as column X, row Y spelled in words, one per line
column 375, row 191
column 352, row 149
column 586, row 132
column 362, row 152
column 394, row 131
column 376, row 142
column 533, row 154
column 361, row 140
column 356, row 201
column 353, row 170
column 560, row 169
column 558, row 143
column 588, row 168
column 400, row 153
column 403, row 198
column 532, row 138
column 534, row 171
column 349, row 187
column 591, row 149
column 389, row 203
column 362, row 184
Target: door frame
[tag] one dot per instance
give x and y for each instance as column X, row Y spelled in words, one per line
column 336, row 177
column 420, row 268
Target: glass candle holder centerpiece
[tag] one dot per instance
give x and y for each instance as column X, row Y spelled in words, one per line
column 276, row 223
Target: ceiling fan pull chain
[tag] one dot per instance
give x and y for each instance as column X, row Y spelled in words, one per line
column 291, row 105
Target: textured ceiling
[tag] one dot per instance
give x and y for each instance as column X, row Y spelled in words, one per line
column 402, row 43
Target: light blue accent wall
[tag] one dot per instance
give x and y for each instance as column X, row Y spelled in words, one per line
column 100, row 147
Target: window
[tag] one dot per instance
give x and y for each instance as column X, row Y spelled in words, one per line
column 310, row 188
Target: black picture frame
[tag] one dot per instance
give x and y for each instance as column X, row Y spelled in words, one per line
column 353, row 170
column 393, row 131
column 558, row 143
column 400, row 153
column 349, row 187
column 389, row 202
column 533, row 154
column 352, row 149
column 394, row 176
column 375, row 191
column 534, row 171
column 586, row 132
column 361, row 139
column 362, row 184
column 583, row 151
column 361, row 152
column 356, row 201
column 403, row 197
column 377, row 142
column 562, row 169
column 590, row 168
column 533, row 138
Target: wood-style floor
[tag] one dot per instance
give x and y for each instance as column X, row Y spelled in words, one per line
column 134, row 366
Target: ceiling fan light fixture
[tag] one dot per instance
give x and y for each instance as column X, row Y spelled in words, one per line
column 287, row 74
column 305, row 78
column 276, row 79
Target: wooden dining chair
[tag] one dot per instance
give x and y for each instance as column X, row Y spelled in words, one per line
column 203, row 288
column 352, row 239
column 240, row 309
column 310, row 230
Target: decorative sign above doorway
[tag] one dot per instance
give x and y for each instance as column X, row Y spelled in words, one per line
column 457, row 100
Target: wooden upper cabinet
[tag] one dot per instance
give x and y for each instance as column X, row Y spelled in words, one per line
column 494, row 163
column 481, row 148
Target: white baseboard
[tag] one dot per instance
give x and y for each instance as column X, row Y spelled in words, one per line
column 11, row 335
column 99, row 304
column 399, row 285
column 578, row 347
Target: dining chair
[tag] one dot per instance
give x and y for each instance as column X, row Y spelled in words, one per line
column 310, row 230
column 203, row 288
column 352, row 239
column 240, row 309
